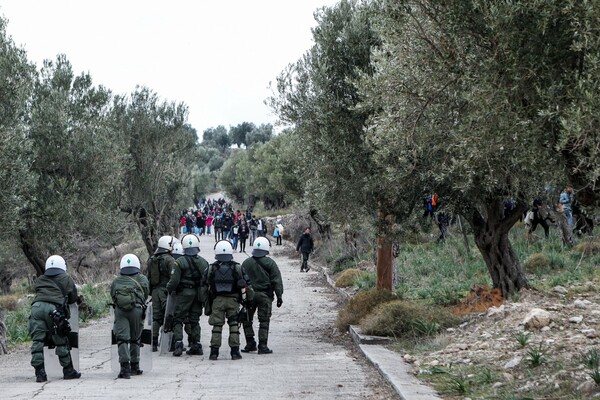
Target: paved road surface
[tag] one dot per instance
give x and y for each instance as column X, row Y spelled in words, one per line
column 309, row 361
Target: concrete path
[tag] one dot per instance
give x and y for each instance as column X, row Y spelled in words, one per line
column 310, row 359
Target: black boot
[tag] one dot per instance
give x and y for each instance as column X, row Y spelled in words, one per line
column 214, row 353
column 263, row 349
column 135, row 369
column 154, row 344
column 40, row 374
column 70, row 373
column 235, row 353
column 178, row 349
column 125, row 372
column 195, row 350
column 250, row 345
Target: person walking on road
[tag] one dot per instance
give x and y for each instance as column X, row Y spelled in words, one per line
column 278, row 231
column 158, row 272
column 186, row 278
column 129, row 292
column 54, row 291
column 266, row 283
column 218, row 226
column 253, row 224
column 227, row 284
column 305, row 246
column 242, row 234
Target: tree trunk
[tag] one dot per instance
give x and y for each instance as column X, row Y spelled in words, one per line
column 491, row 238
column 384, row 253
column 32, row 251
column 3, row 349
column 147, row 230
column 323, row 227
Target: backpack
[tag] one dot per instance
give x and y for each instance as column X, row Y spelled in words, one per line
column 154, row 271
column 126, row 298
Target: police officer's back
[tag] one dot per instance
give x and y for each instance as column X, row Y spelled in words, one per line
column 129, row 292
column 54, row 291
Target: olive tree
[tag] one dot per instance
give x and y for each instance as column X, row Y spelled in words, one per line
column 159, row 165
column 75, row 164
column 319, row 96
column 494, row 93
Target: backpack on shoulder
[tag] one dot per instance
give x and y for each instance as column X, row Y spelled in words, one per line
column 125, row 298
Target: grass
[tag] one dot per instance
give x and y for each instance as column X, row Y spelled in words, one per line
column 536, row 356
column 444, row 274
column 523, row 338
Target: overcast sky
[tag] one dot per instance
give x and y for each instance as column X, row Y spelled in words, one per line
column 217, row 56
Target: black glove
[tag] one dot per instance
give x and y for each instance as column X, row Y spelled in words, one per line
column 279, row 302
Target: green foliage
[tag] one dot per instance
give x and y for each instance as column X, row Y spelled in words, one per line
column 265, row 171
column 403, row 318
column 591, row 359
column 76, row 159
column 17, row 325
column 457, row 383
column 366, row 281
column 595, row 375
column 523, row 338
column 361, row 305
column 16, row 84
column 536, row 356
column 238, row 134
column 161, row 144
column 97, row 298
column 319, row 95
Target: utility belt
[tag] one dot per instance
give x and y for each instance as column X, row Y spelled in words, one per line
column 188, row 286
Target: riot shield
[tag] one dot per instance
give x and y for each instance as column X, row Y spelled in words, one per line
column 166, row 331
column 51, row 363
column 145, row 345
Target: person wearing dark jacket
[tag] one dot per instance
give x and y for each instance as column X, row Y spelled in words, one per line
column 129, row 292
column 267, row 284
column 540, row 216
column 158, row 273
column 242, row 234
column 54, row 291
column 305, row 246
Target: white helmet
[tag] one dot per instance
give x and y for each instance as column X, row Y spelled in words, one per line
column 57, row 264
column 261, row 247
column 166, row 242
column 223, row 250
column 130, row 264
column 190, row 244
column 177, row 249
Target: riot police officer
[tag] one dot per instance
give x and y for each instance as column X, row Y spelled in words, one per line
column 54, row 291
column 266, row 283
column 227, row 284
column 129, row 292
column 186, row 277
column 158, row 272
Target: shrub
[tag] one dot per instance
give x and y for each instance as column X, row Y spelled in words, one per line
column 536, row 262
column 347, row 278
column 361, row 305
column 402, row 318
column 366, row 281
column 588, row 248
column 96, row 299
